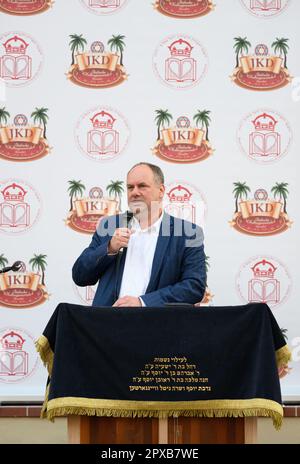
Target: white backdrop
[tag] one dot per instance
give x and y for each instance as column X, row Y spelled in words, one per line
column 40, row 228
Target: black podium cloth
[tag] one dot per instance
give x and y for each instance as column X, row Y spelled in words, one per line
column 160, row 362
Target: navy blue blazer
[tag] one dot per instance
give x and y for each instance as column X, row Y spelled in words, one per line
column 178, row 271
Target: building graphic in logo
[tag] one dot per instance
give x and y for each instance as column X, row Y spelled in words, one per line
column 97, row 68
column 104, row 7
column 20, row 60
column 182, row 143
column 265, row 8
column 102, row 134
column 261, row 216
column 185, row 201
column 21, row 141
column 20, row 206
column 180, row 61
column 24, row 289
column 264, row 136
column 262, row 70
column 263, row 279
column 184, row 8
column 25, row 7
column 18, row 356
column 86, row 212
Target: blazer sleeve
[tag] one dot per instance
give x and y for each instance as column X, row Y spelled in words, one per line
column 94, row 260
column 192, row 283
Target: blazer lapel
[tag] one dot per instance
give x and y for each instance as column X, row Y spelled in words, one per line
column 160, row 250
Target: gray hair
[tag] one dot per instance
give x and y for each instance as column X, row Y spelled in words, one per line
column 157, row 172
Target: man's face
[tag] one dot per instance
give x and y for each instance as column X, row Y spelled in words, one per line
column 142, row 190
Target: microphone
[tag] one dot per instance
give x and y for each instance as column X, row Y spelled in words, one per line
column 15, row 267
column 127, row 218
column 128, row 215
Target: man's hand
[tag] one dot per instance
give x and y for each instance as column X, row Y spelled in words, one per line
column 127, row 301
column 119, row 240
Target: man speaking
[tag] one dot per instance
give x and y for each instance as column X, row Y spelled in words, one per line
column 144, row 257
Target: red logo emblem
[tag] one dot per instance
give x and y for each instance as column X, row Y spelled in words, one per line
column 184, row 8
column 262, row 215
column 21, row 59
column 182, row 143
column 97, row 68
column 21, row 141
column 24, row 289
column 25, row 7
column 180, row 61
column 262, row 70
column 18, row 356
column 86, row 211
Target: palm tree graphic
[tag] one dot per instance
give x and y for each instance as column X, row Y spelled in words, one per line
column 162, row 117
column 77, row 42
column 39, row 262
column 281, row 46
column 241, row 45
column 4, row 115
column 117, row 43
column 40, row 116
column 203, row 118
column 240, row 189
column 3, row 260
column 281, row 190
column 116, row 188
column 75, row 188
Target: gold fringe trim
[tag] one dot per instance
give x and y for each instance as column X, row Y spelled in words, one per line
column 256, row 407
column 43, row 348
column 283, row 356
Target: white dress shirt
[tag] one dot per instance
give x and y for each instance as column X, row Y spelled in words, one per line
column 139, row 259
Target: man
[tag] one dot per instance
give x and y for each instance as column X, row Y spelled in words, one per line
column 146, row 257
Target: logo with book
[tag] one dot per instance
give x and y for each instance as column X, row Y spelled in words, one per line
column 86, row 210
column 185, row 201
column 102, row 134
column 20, row 206
column 104, row 7
column 261, row 70
column 21, row 59
column 264, row 136
column 261, row 215
column 86, row 294
column 184, row 8
column 265, row 8
column 97, row 68
column 180, row 61
column 25, row 288
column 22, row 141
column 181, row 142
column 18, row 356
column 263, row 279
column 25, row 7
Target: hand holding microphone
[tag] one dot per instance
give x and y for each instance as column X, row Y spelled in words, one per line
column 121, row 235
column 119, row 240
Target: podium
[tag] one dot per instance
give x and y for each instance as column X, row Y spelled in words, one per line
column 163, row 375
column 181, row 430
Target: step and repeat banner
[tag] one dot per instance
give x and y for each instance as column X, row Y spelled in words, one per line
column 207, row 90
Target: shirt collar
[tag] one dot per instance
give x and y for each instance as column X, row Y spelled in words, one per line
column 153, row 228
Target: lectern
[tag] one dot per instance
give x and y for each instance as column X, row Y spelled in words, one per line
column 163, row 375
column 181, row 430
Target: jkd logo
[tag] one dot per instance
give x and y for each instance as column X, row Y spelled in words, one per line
column 261, row 215
column 97, row 68
column 262, row 70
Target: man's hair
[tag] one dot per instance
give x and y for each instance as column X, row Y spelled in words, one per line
column 157, row 172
